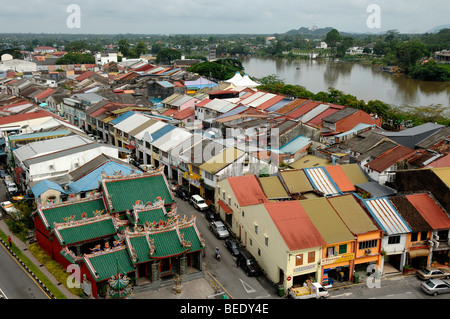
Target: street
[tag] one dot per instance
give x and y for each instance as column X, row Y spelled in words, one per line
column 396, row 287
column 233, row 279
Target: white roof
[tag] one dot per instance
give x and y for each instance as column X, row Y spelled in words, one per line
column 49, row 146
column 151, row 129
column 386, row 216
column 237, row 77
column 131, row 122
column 252, row 97
column 172, row 139
column 246, row 81
column 313, row 113
column 266, row 97
column 219, row 105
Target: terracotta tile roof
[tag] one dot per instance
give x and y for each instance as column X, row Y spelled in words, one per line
column 45, row 94
column 294, row 225
column 84, row 75
column 389, row 158
column 25, row 116
column 169, row 112
column 305, row 108
column 410, row 214
column 248, row 190
column 430, row 210
column 181, row 115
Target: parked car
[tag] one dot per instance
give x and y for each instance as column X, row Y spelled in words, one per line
column 248, row 263
column 198, row 202
column 11, row 187
column 210, row 215
column 433, row 273
column 182, row 193
column 8, row 208
column 219, row 229
column 436, row 286
column 233, row 246
column 173, row 186
column 3, row 173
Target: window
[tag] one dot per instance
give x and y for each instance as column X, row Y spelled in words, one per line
column 209, row 176
column 256, row 229
column 311, row 256
column 393, row 240
column 266, row 241
column 342, row 249
column 243, row 214
column 423, row 235
column 367, row 244
column 414, row 236
column 330, row 251
column 259, row 252
column 299, row 260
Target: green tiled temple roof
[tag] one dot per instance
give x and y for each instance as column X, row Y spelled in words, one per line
column 58, row 213
column 85, row 231
column 124, row 193
column 191, row 235
column 105, row 265
column 150, row 216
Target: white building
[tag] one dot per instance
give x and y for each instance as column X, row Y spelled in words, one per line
column 103, row 58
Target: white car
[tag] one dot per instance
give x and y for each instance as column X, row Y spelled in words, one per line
column 219, row 229
column 198, row 202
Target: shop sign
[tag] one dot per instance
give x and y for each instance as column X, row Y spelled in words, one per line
column 304, row 268
column 337, row 259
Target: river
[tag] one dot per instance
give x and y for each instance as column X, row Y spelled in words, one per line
column 353, row 78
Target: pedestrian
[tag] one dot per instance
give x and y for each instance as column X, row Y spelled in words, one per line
column 10, row 241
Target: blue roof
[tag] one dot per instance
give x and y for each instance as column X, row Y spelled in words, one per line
column 122, row 117
column 165, row 84
column 92, row 180
column 162, row 131
column 295, row 145
column 278, row 105
column 44, row 186
column 234, row 111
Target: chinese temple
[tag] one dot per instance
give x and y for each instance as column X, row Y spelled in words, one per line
column 130, row 222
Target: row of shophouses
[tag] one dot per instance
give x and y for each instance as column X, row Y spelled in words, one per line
column 333, row 236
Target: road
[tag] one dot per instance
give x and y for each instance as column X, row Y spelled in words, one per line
column 398, row 287
column 233, row 279
column 15, row 282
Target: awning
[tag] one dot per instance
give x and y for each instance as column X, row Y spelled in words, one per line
column 225, row 207
column 418, row 253
column 131, row 147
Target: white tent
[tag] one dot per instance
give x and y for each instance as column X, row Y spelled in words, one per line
column 246, row 81
column 235, row 78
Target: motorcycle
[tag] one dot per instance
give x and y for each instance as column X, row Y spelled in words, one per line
column 218, row 256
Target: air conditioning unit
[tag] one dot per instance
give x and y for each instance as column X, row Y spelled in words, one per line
column 368, row 251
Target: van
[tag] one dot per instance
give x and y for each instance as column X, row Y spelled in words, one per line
column 198, row 202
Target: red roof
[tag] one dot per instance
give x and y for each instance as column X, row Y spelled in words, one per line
column 181, row 115
column 169, row 112
column 318, row 119
column 203, row 102
column 271, row 102
column 441, row 162
column 44, row 94
column 294, row 225
column 248, row 190
column 390, row 157
column 340, row 178
column 84, row 76
column 303, row 109
column 146, row 67
column 430, row 210
column 25, row 116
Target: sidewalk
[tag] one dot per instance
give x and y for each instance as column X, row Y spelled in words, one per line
column 23, row 248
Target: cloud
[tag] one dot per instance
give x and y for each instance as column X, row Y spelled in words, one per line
column 214, row 16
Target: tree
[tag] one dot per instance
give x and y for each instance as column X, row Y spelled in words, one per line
column 332, row 38
column 408, row 53
column 167, row 56
column 124, row 47
column 76, row 58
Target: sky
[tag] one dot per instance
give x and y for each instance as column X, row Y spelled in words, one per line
column 219, row 16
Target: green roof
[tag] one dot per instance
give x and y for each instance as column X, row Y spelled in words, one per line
column 167, row 244
column 84, row 230
column 150, row 216
column 191, row 235
column 57, row 213
column 105, row 264
column 141, row 248
column 124, row 193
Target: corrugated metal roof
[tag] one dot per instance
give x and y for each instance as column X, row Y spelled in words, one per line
column 352, row 214
column 326, row 220
column 321, row 180
column 161, row 132
column 247, row 190
column 266, row 97
column 387, row 216
column 443, row 173
column 296, row 181
column 122, row 117
column 273, row 188
column 151, row 129
column 313, row 113
column 294, row 225
column 278, row 105
column 339, row 176
column 44, row 186
column 216, row 163
column 131, row 122
column 295, row 145
column 171, row 139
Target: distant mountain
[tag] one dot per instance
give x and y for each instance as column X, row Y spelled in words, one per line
column 311, row 32
column 436, row 29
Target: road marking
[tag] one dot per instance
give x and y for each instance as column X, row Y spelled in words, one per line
column 250, row 289
column 263, row 297
column 345, row 294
